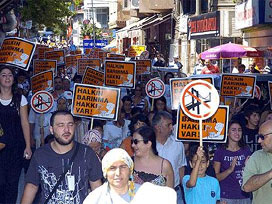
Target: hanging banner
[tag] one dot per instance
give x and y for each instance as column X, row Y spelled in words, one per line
column 42, row 81
column 214, row 129
column 83, row 63
column 44, row 65
column 95, row 102
column 55, row 55
column 42, row 50
column 143, row 67
column 136, row 50
column 235, row 85
column 92, row 76
column 71, row 60
column 120, row 74
column 17, row 52
column 177, row 85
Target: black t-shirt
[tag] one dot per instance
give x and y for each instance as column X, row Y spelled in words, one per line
column 251, row 139
column 47, row 166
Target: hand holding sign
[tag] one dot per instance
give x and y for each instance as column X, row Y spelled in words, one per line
column 199, row 101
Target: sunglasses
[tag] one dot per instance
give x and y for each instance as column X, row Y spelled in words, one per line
column 135, row 141
column 261, row 136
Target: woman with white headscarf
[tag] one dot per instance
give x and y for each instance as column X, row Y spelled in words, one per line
column 117, row 167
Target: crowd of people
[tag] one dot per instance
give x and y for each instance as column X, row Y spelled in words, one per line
column 135, row 159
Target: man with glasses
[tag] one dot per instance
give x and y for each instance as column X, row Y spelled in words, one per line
column 257, row 176
column 170, row 149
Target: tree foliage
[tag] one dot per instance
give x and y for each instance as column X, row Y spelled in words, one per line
column 47, row 13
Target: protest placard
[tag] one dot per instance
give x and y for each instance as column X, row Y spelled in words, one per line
column 235, row 85
column 40, row 65
column 143, row 67
column 214, row 129
column 136, row 50
column 42, row 50
column 55, row 55
column 95, row 102
column 17, row 52
column 120, row 74
column 83, row 63
column 71, row 60
column 42, row 81
column 177, row 85
column 92, row 76
column 113, row 56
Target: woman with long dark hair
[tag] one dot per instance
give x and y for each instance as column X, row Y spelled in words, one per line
column 16, row 135
column 149, row 167
column 229, row 162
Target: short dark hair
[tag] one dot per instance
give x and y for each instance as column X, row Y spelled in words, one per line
column 159, row 116
column 52, row 119
column 193, row 151
column 126, row 98
column 251, row 109
column 139, row 117
column 148, row 134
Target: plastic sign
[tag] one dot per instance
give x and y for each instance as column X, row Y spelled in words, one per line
column 199, row 100
column 83, row 63
column 44, row 65
column 71, row 60
column 17, row 52
column 177, row 85
column 92, row 76
column 120, row 74
column 42, row 101
column 42, row 81
column 42, row 50
column 234, row 85
column 95, row 102
column 136, row 50
column 113, row 56
column 214, row 129
column 155, row 88
column 55, row 55
column 143, row 67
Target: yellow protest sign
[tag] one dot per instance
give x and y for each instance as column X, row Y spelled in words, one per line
column 83, row 63
column 214, row 129
column 42, row 50
column 17, row 52
column 143, row 67
column 92, row 76
column 120, row 74
column 136, row 50
column 95, row 102
column 42, row 81
column 177, row 85
column 235, row 85
column 44, row 65
column 55, row 55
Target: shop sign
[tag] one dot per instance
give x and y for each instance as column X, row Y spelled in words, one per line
column 205, row 25
column 247, row 14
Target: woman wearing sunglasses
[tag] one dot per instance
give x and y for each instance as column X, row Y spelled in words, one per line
column 149, row 167
column 229, row 163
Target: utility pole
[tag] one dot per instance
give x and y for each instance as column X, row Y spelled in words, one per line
column 93, row 24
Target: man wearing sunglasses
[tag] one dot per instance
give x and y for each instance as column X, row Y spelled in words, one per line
column 257, row 176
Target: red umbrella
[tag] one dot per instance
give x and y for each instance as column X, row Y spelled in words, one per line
column 230, row 51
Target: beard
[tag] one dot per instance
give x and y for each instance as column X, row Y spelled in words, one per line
column 63, row 142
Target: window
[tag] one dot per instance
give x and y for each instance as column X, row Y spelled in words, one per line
column 102, row 16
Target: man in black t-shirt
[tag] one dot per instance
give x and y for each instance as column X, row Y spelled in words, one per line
column 50, row 161
column 250, row 131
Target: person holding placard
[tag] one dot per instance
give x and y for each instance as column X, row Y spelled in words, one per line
column 229, row 162
column 15, row 129
column 200, row 188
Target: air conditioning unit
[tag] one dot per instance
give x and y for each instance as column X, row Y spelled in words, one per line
column 134, row 4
